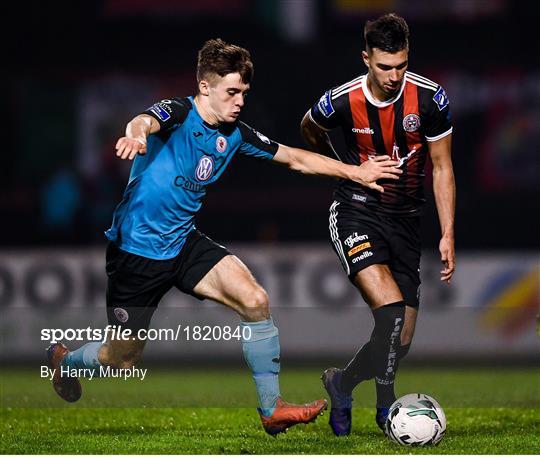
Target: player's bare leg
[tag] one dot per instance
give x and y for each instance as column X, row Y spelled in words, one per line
column 379, row 358
column 121, row 353
column 231, row 283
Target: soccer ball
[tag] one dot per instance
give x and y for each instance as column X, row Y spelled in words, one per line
column 416, row 420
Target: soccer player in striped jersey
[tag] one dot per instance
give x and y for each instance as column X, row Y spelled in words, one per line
column 376, row 235
column 180, row 147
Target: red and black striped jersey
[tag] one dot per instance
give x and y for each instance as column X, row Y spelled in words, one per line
column 400, row 128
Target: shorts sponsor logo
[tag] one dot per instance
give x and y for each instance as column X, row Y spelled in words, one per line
column 363, row 256
column 359, row 248
column 162, row 110
column 325, row 105
column 262, row 137
column 411, row 122
column 360, row 198
column 364, row 130
column 441, row 99
column 204, row 169
column 121, row 314
column 221, row 144
column 354, row 238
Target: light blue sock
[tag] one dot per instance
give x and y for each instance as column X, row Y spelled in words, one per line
column 261, row 352
column 84, row 357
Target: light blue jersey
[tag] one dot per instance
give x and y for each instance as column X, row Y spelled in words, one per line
column 167, row 185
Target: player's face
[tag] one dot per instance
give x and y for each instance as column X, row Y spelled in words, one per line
column 226, row 96
column 386, row 70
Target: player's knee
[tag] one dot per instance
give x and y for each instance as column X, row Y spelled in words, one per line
column 255, row 306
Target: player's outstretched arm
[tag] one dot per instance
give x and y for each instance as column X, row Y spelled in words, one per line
column 444, row 189
column 137, row 130
column 311, row 163
column 316, row 137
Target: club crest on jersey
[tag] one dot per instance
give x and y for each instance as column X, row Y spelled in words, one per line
column 325, row 104
column 204, row 169
column 121, row 314
column 221, row 144
column 441, row 99
column 411, row 122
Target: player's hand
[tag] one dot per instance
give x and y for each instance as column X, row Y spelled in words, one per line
column 378, row 167
column 448, row 259
column 128, row 148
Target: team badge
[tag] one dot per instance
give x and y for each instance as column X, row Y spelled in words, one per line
column 441, row 99
column 411, row 122
column 204, row 169
column 221, row 144
column 121, row 314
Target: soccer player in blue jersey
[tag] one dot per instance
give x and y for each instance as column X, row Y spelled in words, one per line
column 180, row 147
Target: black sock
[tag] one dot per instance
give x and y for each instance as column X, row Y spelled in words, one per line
column 385, row 342
column 359, row 369
column 385, row 392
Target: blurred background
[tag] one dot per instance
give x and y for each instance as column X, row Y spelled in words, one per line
column 82, row 70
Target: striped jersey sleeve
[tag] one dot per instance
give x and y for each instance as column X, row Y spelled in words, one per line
column 328, row 112
column 434, row 107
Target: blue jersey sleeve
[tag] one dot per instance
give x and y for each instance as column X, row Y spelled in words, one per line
column 170, row 112
column 255, row 144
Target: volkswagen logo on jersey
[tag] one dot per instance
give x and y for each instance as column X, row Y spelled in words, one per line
column 411, row 122
column 221, row 144
column 203, row 172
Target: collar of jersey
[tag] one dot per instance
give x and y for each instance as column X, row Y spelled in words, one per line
column 223, row 128
column 377, row 103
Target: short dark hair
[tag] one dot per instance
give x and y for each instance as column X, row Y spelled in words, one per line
column 389, row 33
column 222, row 58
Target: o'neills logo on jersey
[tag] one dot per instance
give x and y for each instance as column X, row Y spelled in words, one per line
column 365, row 130
column 362, row 256
column 411, row 122
column 203, row 172
column 221, row 144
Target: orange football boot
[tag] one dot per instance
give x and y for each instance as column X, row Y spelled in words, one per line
column 288, row 414
column 69, row 388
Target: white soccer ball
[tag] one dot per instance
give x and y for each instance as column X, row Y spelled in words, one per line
column 416, row 420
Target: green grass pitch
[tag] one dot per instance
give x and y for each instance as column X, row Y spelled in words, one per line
column 197, row 411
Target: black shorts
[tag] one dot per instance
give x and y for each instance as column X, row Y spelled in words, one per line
column 136, row 284
column 362, row 238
